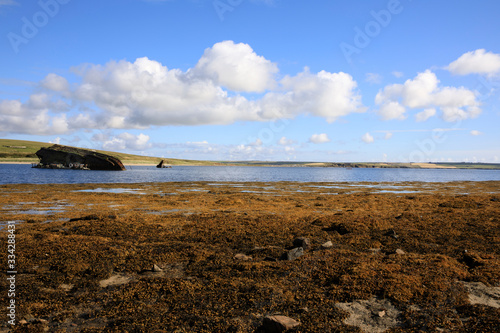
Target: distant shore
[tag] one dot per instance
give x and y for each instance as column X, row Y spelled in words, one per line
column 355, row 165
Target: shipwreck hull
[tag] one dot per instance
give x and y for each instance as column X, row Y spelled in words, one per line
column 69, row 156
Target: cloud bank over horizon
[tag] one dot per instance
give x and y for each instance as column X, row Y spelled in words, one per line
column 229, row 83
column 146, row 93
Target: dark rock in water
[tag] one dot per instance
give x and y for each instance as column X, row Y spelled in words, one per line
column 68, row 158
column 293, row 254
column 162, row 165
column 302, row 242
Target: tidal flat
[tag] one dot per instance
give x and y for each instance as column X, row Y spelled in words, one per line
column 232, row 257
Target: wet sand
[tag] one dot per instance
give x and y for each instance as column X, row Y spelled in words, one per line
column 214, row 257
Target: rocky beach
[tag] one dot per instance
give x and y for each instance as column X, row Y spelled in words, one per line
column 253, row 257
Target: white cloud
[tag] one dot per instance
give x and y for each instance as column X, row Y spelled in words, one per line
column 55, row 83
column 256, row 143
column 373, row 78
column 127, row 141
column 285, row 142
column 32, row 116
column 388, row 135
column 424, row 92
column 237, row 67
column 319, row 138
column 56, row 141
column 476, row 62
column 145, row 93
column 426, row 114
column 398, row 74
column 327, row 95
column 367, row 138
column 392, row 110
column 475, row 132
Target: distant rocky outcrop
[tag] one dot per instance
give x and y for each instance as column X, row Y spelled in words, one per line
column 58, row 156
column 162, row 165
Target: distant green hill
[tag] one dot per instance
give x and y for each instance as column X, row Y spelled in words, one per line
column 21, row 151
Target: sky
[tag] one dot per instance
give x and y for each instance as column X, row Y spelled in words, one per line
column 269, row 80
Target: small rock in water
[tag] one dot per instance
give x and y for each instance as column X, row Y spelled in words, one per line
column 293, row 254
column 278, row 324
column 156, row 268
column 327, row 245
column 302, row 242
column 243, row 257
column 400, row 252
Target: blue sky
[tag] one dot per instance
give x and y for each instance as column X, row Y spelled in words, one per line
column 336, row 81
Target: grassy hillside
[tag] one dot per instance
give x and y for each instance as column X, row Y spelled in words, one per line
column 24, row 152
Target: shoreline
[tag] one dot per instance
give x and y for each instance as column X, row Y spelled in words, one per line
column 417, row 166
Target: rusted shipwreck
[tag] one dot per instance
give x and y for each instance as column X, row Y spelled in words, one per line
column 64, row 157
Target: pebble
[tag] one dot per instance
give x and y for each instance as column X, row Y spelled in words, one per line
column 243, row 257
column 293, row 254
column 391, row 233
column 400, row 252
column 156, row 268
column 278, row 324
column 302, row 242
column 327, row 245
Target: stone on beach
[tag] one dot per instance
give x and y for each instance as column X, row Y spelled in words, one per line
column 242, row 257
column 327, row 245
column 293, row 254
column 302, row 242
column 278, row 323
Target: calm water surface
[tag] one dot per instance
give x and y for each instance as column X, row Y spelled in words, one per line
column 24, row 174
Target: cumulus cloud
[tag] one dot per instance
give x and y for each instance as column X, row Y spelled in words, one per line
column 424, row 92
column 367, row 138
column 237, row 67
column 476, row 62
column 55, row 83
column 319, row 138
column 426, row 114
column 392, row 110
column 475, row 132
column 145, row 93
column 127, row 141
column 32, row 116
column 327, row 95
